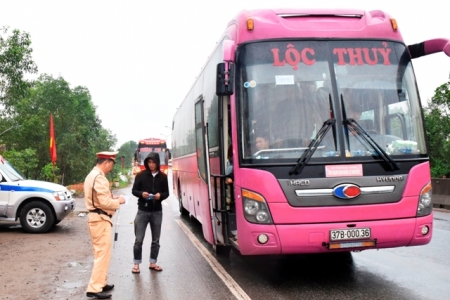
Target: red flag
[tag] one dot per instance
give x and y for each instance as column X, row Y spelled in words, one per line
column 52, row 141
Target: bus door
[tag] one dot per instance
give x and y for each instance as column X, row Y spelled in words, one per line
column 203, row 173
column 222, row 187
column 220, row 162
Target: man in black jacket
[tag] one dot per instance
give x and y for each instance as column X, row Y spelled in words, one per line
column 151, row 187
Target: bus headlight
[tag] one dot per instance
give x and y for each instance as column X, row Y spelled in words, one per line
column 251, row 207
column 425, row 206
column 255, row 208
column 262, row 216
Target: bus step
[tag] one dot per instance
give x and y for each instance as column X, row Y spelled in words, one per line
column 234, row 243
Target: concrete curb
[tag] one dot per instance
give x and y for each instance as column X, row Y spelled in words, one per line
column 441, row 201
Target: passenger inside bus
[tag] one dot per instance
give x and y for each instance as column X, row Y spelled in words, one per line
column 292, row 126
column 261, row 141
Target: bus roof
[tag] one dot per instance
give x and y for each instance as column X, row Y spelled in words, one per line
column 152, row 141
column 313, row 23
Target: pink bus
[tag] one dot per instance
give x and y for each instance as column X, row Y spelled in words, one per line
column 319, row 115
column 145, row 146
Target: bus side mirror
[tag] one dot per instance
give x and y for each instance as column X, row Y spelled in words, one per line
column 429, row 47
column 224, row 79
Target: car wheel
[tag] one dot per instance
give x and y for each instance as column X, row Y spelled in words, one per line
column 36, row 217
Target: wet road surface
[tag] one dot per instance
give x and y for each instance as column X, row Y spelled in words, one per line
column 193, row 271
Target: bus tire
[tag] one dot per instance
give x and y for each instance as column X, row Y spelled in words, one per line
column 36, row 217
column 222, row 250
column 183, row 211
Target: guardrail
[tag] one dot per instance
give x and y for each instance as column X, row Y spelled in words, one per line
column 441, row 192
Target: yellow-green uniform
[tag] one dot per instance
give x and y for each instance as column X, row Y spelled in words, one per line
column 98, row 196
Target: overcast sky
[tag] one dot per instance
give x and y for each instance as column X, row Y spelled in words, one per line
column 139, row 58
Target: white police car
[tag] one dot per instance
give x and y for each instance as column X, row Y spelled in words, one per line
column 39, row 205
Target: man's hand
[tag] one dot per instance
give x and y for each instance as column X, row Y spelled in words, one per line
column 122, row 200
column 157, row 196
column 145, row 195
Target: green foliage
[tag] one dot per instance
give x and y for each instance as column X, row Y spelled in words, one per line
column 15, row 62
column 127, row 151
column 78, row 131
column 25, row 161
column 437, row 124
column 49, row 173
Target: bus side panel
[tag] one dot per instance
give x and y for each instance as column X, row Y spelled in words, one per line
column 419, row 176
column 193, row 189
column 204, row 212
column 186, row 168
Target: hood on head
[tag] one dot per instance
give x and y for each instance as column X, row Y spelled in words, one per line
column 153, row 156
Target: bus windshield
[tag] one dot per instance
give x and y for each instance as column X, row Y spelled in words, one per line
column 286, row 90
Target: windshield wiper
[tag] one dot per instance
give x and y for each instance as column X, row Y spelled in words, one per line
column 330, row 103
column 303, row 160
column 356, row 129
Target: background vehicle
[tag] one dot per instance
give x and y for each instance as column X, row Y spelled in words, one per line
column 39, row 205
column 347, row 166
column 148, row 145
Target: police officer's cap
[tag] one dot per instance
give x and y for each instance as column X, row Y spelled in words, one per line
column 107, row 155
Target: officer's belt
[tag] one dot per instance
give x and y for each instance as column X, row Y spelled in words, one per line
column 100, row 212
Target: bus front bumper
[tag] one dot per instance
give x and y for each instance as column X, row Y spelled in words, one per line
column 316, row 238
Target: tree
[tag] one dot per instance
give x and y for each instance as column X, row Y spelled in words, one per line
column 127, row 150
column 78, row 130
column 437, row 124
column 24, row 161
column 15, row 62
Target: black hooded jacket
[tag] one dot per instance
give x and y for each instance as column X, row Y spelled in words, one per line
column 145, row 182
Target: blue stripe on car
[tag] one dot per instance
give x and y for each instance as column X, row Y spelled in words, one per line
column 23, row 189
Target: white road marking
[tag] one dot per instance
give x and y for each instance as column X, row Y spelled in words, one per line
column 232, row 285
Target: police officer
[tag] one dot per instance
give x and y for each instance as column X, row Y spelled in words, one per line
column 101, row 205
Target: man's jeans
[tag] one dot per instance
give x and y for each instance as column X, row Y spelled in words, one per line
column 140, row 225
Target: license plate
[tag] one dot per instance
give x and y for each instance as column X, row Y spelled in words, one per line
column 349, row 234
